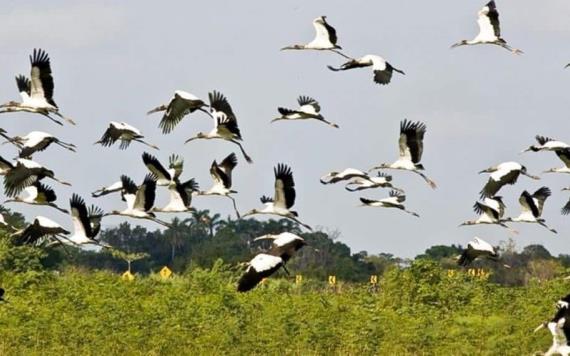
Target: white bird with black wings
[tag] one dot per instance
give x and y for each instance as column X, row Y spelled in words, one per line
column 226, row 126
column 380, row 67
column 140, row 200
column 395, row 200
column 181, row 104
column 489, row 29
column 308, row 109
column 37, row 92
column 284, row 197
column 124, row 132
column 532, row 206
column 411, row 143
column 86, row 222
column 325, row 38
column 221, row 174
column 164, row 176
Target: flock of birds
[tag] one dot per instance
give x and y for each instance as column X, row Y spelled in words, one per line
column 23, row 175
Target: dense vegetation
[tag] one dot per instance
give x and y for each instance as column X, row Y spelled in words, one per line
column 74, row 302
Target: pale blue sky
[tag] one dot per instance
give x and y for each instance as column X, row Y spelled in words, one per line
column 482, row 105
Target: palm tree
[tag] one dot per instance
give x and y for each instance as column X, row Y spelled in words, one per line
column 176, row 236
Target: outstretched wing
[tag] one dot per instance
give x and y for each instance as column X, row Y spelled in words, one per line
column 41, row 79
column 284, row 186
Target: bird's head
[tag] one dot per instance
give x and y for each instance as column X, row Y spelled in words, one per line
column 532, row 148
column 460, row 43
column 199, row 135
column 380, row 166
column 565, row 189
column 420, row 166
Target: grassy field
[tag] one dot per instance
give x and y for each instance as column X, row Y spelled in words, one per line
column 420, row 311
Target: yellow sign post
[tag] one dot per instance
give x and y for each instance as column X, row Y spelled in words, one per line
column 332, row 280
column 373, row 279
column 165, row 272
column 128, row 276
column 298, row 279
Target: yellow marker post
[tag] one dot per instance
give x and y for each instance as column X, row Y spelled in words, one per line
column 373, row 279
column 165, row 272
column 298, row 279
column 127, row 276
column 332, row 280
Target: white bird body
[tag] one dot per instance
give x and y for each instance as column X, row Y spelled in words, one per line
column 139, row 200
column 395, row 200
column 368, row 182
column 180, row 105
column 180, row 197
column 410, row 150
column 489, row 29
column 113, row 188
column 226, row 126
column 36, row 92
column 381, row 69
column 38, row 194
column 477, row 248
column 283, row 198
column 123, row 132
column 38, row 141
column 346, row 174
column 86, row 222
column 325, row 37
column 501, row 175
column 532, row 207
column 308, row 109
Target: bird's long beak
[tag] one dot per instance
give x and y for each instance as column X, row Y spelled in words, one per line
column 456, row 45
column 523, row 151
column 190, row 139
column 277, row 119
column 541, row 326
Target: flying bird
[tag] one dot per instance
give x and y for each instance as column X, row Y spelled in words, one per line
column 501, row 175
column 489, row 30
column 124, row 132
column 226, row 127
column 380, row 67
column 23, row 174
column 261, row 266
column 411, row 144
column 113, row 188
column 164, row 176
column 283, row 199
column 86, row 222
column 37, row 92
column 284, row 246
column 38, row 232
column 180, row 197
column 546, row 144
column 346, row 174
column 381, row 180
column 181, row 104
column 395, row 200
column 38, row 194
column 221, row 174
column 477, row 248
column 325, row 38
column 491, row 211
column 36, row 141
column 140, row 200
column 309, row 108
column 532, row 206
column 559, row 327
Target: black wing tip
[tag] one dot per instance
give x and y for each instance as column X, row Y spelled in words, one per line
column 39, row 56
column 76, row 200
